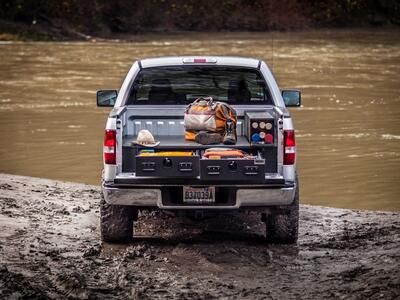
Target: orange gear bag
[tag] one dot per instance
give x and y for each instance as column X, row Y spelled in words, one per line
column 205, row 114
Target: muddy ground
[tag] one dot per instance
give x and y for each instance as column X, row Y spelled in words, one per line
column 50, row 248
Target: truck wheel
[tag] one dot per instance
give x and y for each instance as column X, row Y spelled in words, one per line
column 116, row 222
column 283, row 228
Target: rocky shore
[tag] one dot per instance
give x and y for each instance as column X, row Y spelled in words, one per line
column 50, row 249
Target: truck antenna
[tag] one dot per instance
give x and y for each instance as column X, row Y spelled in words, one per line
column 270, row 13
column 272, row 42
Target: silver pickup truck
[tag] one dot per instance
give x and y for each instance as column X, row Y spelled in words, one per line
column 153, row 96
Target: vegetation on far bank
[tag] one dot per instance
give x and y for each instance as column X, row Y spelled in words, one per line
column 78, row 19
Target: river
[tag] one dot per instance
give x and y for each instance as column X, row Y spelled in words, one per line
column 348, row 131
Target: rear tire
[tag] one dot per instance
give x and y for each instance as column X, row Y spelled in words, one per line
column 283, row 228
column 116, row 222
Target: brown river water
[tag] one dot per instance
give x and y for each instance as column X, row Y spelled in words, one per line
column 348, row 132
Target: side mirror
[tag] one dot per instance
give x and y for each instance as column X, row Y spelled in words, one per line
column 292, row 98
column 106, row 98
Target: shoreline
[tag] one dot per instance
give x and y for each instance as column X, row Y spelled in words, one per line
column 50, row 248
column 13, row 31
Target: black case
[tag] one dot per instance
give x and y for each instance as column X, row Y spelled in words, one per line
column 258, row 117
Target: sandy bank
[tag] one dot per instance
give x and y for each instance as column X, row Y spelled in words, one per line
column 49, row 248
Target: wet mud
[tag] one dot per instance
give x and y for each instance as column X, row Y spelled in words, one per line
column 50, row 249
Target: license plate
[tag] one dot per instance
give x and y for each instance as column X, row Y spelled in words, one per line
column 198, row 195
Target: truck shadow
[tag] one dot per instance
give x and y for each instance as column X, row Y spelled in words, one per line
column 216, row 242
column 208, row 251
column 234, row 227
column 225, row 237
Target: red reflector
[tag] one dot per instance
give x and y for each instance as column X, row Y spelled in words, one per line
column 289, row 147
column 199, row 60
column 109, row 147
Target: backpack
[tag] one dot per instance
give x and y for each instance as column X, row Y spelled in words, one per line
column 205, row 114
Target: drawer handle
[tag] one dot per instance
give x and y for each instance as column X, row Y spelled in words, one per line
column 148, row 167
column 185, row 167
column 251, row 170
column 213, row 170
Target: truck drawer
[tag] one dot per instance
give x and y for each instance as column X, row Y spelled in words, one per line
column 232, row 169
column 163, row 166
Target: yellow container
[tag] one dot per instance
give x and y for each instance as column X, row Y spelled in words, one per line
column 167, row 153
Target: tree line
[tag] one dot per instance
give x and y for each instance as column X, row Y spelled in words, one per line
column 127, row 16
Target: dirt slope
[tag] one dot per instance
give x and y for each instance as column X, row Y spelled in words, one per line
column 49, row 248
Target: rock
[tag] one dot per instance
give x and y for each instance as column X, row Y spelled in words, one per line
column 77, row 209
column 72, row 285
column 148, row 256
column 6, row 186
column 92, row 251
column 136, row 251
column 53, row 254
column 63, row 211
column 3, row 268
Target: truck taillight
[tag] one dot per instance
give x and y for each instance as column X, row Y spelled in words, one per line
column 289, row 147
column 109, row 147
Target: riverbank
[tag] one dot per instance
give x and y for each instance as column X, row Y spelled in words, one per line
column 60, row 31
column 50, row 248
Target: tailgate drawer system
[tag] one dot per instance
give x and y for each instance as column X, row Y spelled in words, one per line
column 207, row 169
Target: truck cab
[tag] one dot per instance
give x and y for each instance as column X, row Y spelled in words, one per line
column 154, row 96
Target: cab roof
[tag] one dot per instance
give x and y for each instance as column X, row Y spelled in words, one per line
column 200, row 60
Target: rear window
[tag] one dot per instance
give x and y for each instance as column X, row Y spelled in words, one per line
column 184, row 84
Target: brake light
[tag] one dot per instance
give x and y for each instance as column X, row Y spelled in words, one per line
column 109, row 147
column 199, row 60
column 289, row 147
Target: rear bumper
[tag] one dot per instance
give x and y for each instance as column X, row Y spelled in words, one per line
column 246, row 196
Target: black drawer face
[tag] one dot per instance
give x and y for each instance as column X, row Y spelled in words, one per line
column 172, row 167
column 232, row 169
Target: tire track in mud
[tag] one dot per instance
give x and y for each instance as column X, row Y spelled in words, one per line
column 50, row 248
